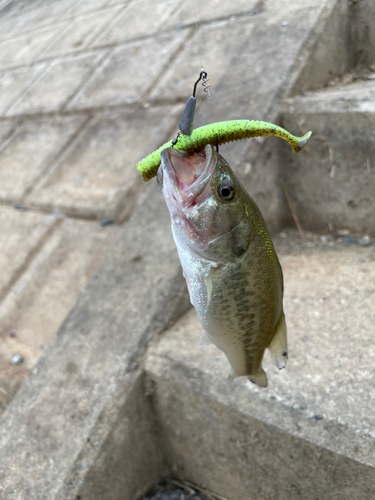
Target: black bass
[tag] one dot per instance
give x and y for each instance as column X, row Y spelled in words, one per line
column 228, row 259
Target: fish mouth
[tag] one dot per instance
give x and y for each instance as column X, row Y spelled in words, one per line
column 189, row 174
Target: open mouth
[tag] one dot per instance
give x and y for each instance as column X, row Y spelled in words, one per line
column 189, row 173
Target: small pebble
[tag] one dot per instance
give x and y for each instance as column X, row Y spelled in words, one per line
column 284, row 23
column 17, row 359
column 318, row 417
column 106, row 222
column 366, row 240
column 348, row 240
column 323, row 240
column 18, row 206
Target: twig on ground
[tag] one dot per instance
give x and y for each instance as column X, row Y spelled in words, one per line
column 292, row 211
column 209, row 494
column 182, row 485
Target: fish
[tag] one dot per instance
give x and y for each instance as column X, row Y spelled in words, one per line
column 231, row 268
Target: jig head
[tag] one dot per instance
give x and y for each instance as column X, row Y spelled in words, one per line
column 187, row 118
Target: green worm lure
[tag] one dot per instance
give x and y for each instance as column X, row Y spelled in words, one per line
column 219, row 133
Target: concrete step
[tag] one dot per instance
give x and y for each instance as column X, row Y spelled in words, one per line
column 310, row 434
column 332, row 184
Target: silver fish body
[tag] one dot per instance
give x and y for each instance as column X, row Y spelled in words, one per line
column 228, row 259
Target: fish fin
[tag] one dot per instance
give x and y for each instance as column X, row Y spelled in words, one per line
column 208, row 283
column 278, row 346
column 259, row 378
column 189, row 289
column 205, row 338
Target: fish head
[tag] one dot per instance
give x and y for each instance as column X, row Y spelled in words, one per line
column 208, row 206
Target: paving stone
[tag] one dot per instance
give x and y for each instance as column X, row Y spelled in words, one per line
column 5, row 129
column 15, row 23
column 39, row 300
column 331, row 186
column 74, row 406
column 60, row 81
column 80, row 32
column 86, row 6
column 14, row 82
column 22, row 234
column 310, row 433
column 213, row 9
column 7, row 48
column 29, row 17
column 97, row 178
column 143, row 17
column 25, row 49
column 26, row 155
column 4, row 3
column 129, row 72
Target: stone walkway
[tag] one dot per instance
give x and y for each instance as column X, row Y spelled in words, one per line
column 66, row 161
column 86, row 90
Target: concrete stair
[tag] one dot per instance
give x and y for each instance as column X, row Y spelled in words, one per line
column 310, row 434
column 123, row 396
column 332, row 185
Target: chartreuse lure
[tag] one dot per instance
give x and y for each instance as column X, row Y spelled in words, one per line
column 219, row 133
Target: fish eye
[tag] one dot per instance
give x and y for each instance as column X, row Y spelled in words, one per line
column 226, row 191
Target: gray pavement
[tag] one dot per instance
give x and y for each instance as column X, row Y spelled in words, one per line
column 88, row 88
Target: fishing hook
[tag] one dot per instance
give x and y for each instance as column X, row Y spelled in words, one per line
column 187, row 118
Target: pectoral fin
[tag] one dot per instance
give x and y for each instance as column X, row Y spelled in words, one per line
column 278, row 346
column 205, row 338
column 189, row 289
column 208, row 283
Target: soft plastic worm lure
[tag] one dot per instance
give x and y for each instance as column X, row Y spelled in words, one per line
column 220, row 133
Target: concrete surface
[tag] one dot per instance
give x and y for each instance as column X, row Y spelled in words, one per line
column 332, row 52
column 29, row 151
column 310, row 433
column 88, row 88
column 332, row 185
column 363, row 30
column 37, row 303
column 95, row 177
column 81, row 390
column 264, row 52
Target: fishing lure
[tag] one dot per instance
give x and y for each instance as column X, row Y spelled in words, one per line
column 187, row 118
column 219, row 133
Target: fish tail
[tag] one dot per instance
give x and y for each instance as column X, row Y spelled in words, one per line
column 259, row 378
